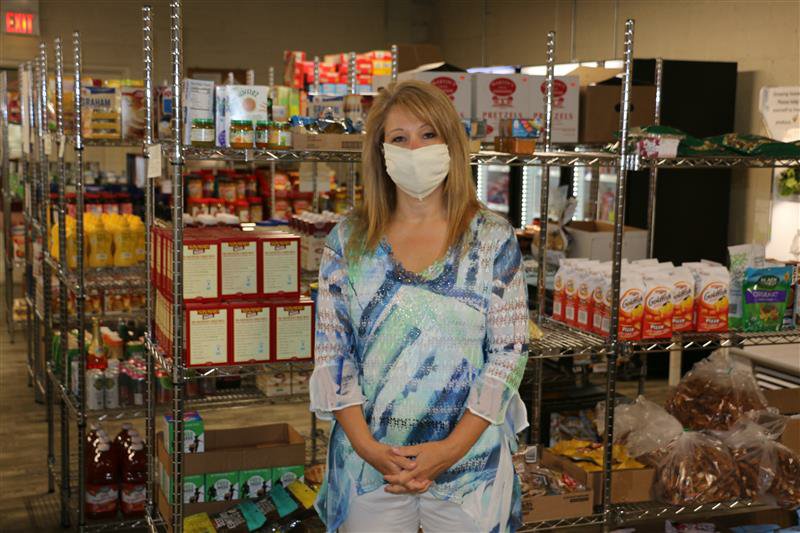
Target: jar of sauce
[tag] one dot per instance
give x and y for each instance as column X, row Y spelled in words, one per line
column 241, row 187
column 202, row 133
column 242, row 134
column 209, row 185
column 262, row 134
column 274, row 135
column 285, row 136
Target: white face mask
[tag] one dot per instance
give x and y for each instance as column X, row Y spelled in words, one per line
column 417, row 172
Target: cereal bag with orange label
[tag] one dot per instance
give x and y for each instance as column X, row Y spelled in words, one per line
column 711, row 301
column 631, row 306
column 658, row 308
column 682, row 299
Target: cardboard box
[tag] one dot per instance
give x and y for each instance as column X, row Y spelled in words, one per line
column 197, row 102
column 101, row 112
column 594, row 240
column 456, row 85
column 572, row 505
column 238, row 265
column 498, row 96
column 566, row 106
column 250, row 332
column 302, row 140
column 255, row 483
column 627, row 486
column 600, row 111
column 280, row 264
column 132, row 113
column 787, row 401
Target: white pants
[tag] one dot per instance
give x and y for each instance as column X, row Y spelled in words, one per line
column 381, row 512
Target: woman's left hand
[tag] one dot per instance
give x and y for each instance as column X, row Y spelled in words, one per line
column 432, row 459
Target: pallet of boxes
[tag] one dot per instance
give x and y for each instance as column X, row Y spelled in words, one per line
column 236, row 480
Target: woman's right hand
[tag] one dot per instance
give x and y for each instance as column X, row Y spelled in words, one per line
column 382, row 459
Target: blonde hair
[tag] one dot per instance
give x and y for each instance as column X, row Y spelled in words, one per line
column 432, row 106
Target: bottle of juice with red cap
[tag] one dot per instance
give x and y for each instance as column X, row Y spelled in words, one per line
column 102, row 483
column 134, row 479
column 122, row 439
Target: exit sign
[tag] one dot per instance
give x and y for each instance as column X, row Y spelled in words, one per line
column 20, row 17
column 19, row 23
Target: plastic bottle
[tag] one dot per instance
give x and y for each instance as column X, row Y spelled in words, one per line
column 137, row 228
column 134, row 479
column 122, row 439
column 124, row 243
column 100, row 242
column 102, row 483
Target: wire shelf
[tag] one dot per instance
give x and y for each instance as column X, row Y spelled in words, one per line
column 560, row 340
column 637, row 512
column 721, row 162
column 546, row 525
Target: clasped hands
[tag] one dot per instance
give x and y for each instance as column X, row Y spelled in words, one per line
column 410, row 469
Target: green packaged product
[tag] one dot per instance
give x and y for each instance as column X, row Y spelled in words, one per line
column 255, row 483
column 285, row 475
column 194, row 434
column 756, row 145
column 222, row 486
column 766, row 291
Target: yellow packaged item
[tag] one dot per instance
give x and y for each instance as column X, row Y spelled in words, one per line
column 303, row 493
column 137, row 228
column 100, row 243
column 124, row 242
column 589, row 455
column 198, row 523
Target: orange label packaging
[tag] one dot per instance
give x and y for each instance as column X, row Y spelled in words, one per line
column 558, row 293
column 631, row 307
column 682, row 300
column 584, row 302
column 658, row 308
column 571, row 296
column 711, row 305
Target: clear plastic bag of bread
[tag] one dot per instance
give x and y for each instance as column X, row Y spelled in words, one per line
column 766, row 467
column 696, row 468
column 644, row 427
column 716, row 393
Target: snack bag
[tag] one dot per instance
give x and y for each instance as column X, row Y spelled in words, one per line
column 631, row 306
column 682, row 292
column 570, row 296
column 601, row 283
column 558, row 290
column 697, row 468
column 741, row 258
column 658, row 308
column 716, row 393
column 585, row 301
column 711, row 300
column 766, row 291
column 765, row 466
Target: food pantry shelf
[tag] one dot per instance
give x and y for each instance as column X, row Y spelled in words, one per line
column 637, row 512
column 561, row 340
column 547, row 525
column 720, row 162
column 238, row 398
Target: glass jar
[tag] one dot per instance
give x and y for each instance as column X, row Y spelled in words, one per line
column 194, row 187
column 274, row 135
column 262, row 134
column 227, row 190
column 285, row 136
column 242, row 134
column 242, row 210
column 202, row 133
column 251, row 185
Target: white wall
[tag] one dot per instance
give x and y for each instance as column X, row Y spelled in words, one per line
column 761, row 36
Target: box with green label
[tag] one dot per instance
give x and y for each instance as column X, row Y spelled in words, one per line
column 193, row 433
column 194, row 490
column 285, row 475
column 222, row 486
column 255, row 483
column 255, row 451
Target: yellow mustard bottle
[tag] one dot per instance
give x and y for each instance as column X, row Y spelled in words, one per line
column 100, row 242
column 124, row 243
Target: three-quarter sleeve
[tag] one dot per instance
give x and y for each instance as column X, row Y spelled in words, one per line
column 506, row 342
column 334, row 383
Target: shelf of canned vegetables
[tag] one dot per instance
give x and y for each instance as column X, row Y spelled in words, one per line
column 236, row 327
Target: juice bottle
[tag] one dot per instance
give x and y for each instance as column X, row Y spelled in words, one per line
column 137, row 228
column 99, row 239
column 102, row 483
column 134, row 479
column 122, row 439
column 96, row 356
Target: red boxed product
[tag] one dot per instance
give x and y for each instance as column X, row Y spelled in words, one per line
column 207, row 335
column 250, row 332
column 201, row 265
column 280, row 264
column 293, row 330
column 238, row 264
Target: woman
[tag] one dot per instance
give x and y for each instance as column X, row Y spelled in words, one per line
column 421, row 336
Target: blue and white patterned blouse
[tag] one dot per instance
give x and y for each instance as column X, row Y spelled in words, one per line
column 417, row 350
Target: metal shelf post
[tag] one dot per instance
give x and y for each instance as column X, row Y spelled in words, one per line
column 6, row 186
column 64, row 265
column 178, row 369
column 147, row 41
column 616, row 271
column 80, row 299
column 538, row 364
